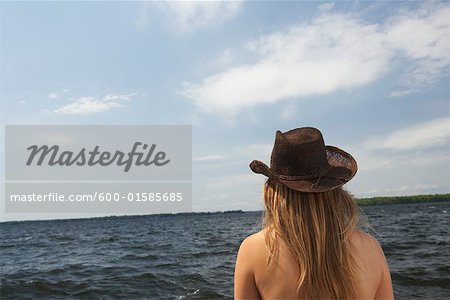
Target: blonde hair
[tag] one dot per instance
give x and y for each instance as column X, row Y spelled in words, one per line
column 315, row 227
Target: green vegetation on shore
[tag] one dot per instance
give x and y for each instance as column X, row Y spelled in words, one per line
column 404, row 199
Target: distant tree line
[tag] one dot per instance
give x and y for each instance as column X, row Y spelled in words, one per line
column 404, row 199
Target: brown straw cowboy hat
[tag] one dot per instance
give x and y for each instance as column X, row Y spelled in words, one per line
column 301, row 161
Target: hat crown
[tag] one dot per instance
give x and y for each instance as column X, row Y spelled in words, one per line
column 299, row 152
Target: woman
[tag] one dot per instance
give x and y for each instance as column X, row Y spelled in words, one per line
column 310, row 246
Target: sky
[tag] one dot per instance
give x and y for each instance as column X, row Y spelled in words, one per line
column 372, row 76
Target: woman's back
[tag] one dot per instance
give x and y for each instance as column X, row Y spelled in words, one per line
column 279, row 280
column 310, row 246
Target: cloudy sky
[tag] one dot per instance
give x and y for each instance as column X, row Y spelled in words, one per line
column 373, row 76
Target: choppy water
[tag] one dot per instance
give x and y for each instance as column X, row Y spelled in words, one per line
column 192, row 257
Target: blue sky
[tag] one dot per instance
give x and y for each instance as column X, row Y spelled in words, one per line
column 372, row 76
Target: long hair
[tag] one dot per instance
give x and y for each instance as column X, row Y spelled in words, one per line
column 315, row 227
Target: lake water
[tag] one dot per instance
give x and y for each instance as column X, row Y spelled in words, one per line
column 192, row 257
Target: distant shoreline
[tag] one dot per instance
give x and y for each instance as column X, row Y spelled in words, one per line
column 403, row 199
column 388, row 200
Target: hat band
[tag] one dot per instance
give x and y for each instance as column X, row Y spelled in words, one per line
column 301, row 177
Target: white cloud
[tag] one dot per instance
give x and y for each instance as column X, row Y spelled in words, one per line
column 303, row 60
column 53, row 96
column 368, row 161
column 401, row 93
column 143, row 19
column 402, row 190
column 91, row 104
column 419, row 136
column 333, row 52
column 289, row 112
column 424, row 35
column 189, row 16
column 419, row 145
column 237, row 157
column 327, row 6
column 411, row 189
column 371, row 161
column 255, row 151
column 212, row 157
column 425, row 186
column 222, row 60
column 398, row 189
column 374, row 191
column 248, row 178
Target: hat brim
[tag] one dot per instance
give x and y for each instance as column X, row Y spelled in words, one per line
column 343, row 168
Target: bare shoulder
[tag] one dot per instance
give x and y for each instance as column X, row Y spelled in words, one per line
column 252, row 249
column 250, row 253
column 369, row 252
column 252, row 242
column 374, row 264
column 366, row 242
column 245, row 269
